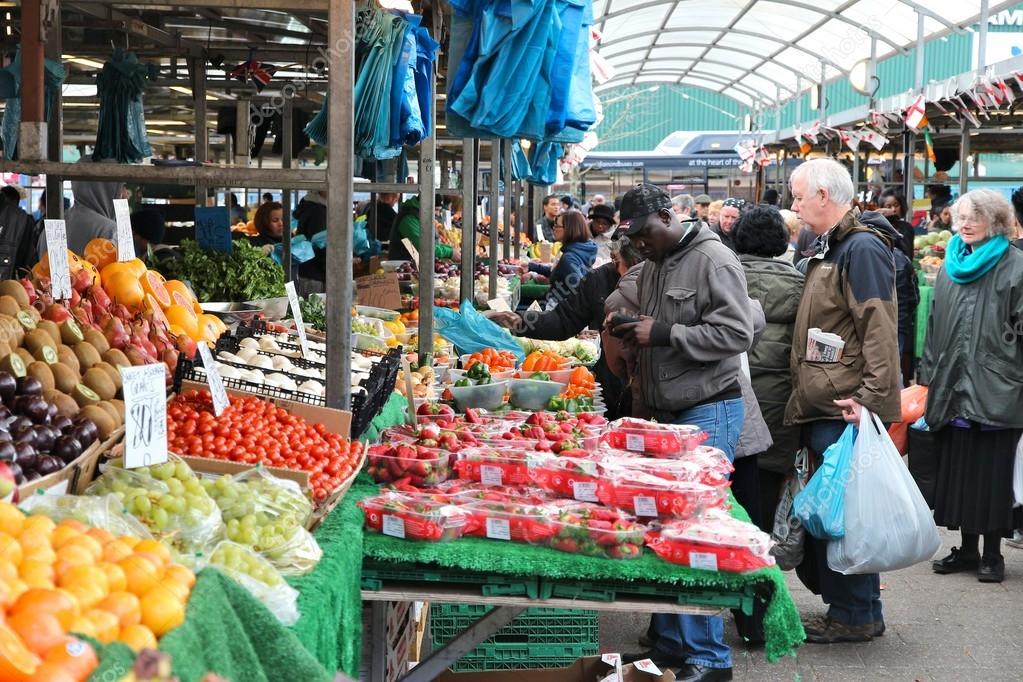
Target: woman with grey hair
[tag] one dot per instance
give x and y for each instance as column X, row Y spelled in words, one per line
column 973, row 368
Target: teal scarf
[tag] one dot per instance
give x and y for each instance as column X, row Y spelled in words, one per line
column 963, row 267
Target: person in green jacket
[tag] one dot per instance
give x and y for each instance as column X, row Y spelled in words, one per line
column 406, row 226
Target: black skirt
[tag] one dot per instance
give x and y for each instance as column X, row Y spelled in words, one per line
column 974, row 487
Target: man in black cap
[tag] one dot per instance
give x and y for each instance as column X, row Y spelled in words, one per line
column 602, row 222
column 694, row 323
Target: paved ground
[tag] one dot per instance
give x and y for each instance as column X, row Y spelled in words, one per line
column 941, row 628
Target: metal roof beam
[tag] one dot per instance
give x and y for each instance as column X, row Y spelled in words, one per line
column 279, row 5
column 664, row 22
column 752, row 94
column 786, row 88
column 750, row 53
column 136, row 26
column 746, row 8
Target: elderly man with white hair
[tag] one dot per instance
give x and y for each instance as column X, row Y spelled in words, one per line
column 683, row 205
column 850, row 292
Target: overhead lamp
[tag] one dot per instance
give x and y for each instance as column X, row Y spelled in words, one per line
column 863, row 79
column 188, row 91
column 82, row 61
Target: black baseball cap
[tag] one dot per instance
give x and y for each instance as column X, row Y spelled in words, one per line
column 602, row 211
column 639, row 202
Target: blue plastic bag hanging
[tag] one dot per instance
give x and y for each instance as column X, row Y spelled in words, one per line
column 821, row 504
column 520, row 162
column 471, row 332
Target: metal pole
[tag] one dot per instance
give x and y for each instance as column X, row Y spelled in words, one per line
column 908, row 153
column 918, row 82
column 495, row 197
column 519, row 208
column 202, row 135
column 506, row 148
column 427, row 229
column 340, row 62
column 982, row 36
column 55, row 130
column 32, row 134
column 469, row 149
column 287, row 114
column 964, row 154
column 242, row 144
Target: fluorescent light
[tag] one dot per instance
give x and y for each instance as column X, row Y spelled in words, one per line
column 79, row 105
column 188, row 91
column 82, row 61
column 167, row 123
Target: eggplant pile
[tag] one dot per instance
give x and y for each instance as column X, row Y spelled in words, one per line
column 35, row 439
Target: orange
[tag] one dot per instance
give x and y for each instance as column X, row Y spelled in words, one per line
column 123, row 287
column 11, row 519
column 152, row 284
column 37, row 573
column 116, row 579
column 73, row 524
column 125, row 606
column 38, row 525
column 52, row 672
column 83, row 626
column 196, row 308
column 10, row 549
column 209, row 328
column 161, row 611
column 155, row 559
column 89, row 544
column 62, row 534
column 137, row 266
column 180, row 574
column 71, row 556
column 55, row 602
column 41, row 270
column 87, row 595
column 141, row 574
column 39, row 631
column 177, row 286
column 105, row 625
column 178, row 590
column 184, row 318
column 129, row 540
column 137, row 637
column 16, row 588
column 89, row 575
column 156, row 547
column 17, row 662
column 112, row 269
column 74, row 657
column 102, row 536
column 100, row 252
column 116, row 550
column 8, row 571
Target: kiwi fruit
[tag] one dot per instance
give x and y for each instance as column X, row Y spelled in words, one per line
column 98, row 341
column 34, row 313
column 67, row 356
column 87, row 354
column 51, row 328
column 112, row 372
column 11, row 331
column 9, row 306
column 5, row 349
column 103, row 421
column 42, row 372
column 119, row 406
column 13, row 288
column 27, row 357
column 116, row 358
column 111, row 410
column 66, row 405
column 64, row 378
column 37, row 339
column 13, row 364
column 46, row 354
column 71, row 333
column 83, row 395
column 98, row 380
column 26, row 319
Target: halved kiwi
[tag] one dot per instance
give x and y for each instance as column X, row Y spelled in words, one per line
column 26, row 320
column 13, row 364
column 25, row 356
column 71, row 333
column 83, row 395
column 47, row 354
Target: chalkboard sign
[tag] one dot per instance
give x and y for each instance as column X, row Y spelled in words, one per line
column 213, row 228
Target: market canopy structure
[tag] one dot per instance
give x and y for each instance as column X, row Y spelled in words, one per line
column 762, row 52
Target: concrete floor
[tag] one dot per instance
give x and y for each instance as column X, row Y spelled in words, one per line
column 941, row 628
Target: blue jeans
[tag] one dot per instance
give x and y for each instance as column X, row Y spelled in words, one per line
column 701, row 639
column 852, row 599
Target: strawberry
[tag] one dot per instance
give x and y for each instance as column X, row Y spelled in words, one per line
column 472, row 416
column 430, row 432
column 566, row 545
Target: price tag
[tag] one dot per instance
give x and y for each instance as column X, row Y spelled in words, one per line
column 412, row 251
column 585, row 491
column 616, row 661
column 535, row 307
column 56, row 251
column 634, row 442
column 394, row 526
column 644, row 505
column 447, row 219
column 490, row 475
column 145, row 415
column 647, row 666
column 296, row 314
column 125, row 238
column 703, row 560
column 499, row 305
column 498, row 529
column 217, row 392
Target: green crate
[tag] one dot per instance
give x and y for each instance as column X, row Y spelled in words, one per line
column 532, row 626
column 378, row 574
column 613, row 591
column 519, row 656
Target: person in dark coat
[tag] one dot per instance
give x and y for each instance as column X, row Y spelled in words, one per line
column 731, row 209
column 17, row 229
column 893, row 207
column 269, row 222
column 311, row 214
column 578, row 251
column 760, row 237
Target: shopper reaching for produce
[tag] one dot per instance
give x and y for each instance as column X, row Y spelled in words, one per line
column 269, row 222
column 577, row 255
column 406, row 226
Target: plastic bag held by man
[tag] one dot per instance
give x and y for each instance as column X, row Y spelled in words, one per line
column 887, row 523
column 820, row 506
column 914, row 403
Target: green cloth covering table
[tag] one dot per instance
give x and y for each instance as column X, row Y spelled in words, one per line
column 392, row 413
column 923, row 313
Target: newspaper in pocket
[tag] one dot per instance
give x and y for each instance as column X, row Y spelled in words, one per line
column 823, row 346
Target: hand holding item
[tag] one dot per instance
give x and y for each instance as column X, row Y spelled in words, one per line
column 506, row 319
column 850, row 410
column 456, row 255
column 638, row 333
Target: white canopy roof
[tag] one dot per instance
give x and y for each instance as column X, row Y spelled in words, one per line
column 762, row 51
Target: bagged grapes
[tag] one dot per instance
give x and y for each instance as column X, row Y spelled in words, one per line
column 169, row 500
column 256, row 575
column 106, row 512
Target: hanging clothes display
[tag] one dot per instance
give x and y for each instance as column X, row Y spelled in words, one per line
column 121, row 133
column 54, row 74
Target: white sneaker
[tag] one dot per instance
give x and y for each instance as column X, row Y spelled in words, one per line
column 1017, row 539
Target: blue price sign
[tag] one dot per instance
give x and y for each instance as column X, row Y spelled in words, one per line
column 213, row 229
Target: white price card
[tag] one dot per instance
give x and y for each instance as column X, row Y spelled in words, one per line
column 703, row 560
column 490, row 475
column 585, row 491
column 498, row 529
column 125, row 238
column 616, row 661
column 634, row 442
column 217, row 392
column 412, row 251
column 647, row 666
column 499, row 305
column 296, row 314
column 56, row 252
column 394, row 526
column 145, row 415
column 535, row 307
column 645, row 505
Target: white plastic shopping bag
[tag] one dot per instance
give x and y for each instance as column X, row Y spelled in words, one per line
column 887, row 523
column 1017, row 475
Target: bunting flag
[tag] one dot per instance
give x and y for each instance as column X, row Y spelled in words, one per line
column 747, row 154
column 965, row 112
column 930, row 146
column 873, row 138
column 851, row 138
column 916, row 113
column 259, row 74
column 1007, row 91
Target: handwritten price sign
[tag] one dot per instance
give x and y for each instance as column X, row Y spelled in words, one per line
column 125, row 238
column 56, row 252
column 145, row 415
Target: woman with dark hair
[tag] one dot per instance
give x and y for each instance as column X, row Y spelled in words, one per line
column 269, row 222
column 760, row 237
column 238, row 212
column 578, row 251
column 893, row 207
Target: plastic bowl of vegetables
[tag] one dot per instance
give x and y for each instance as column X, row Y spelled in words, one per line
column 486, row 396
column 533, row 394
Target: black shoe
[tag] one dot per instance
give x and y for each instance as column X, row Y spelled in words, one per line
column 992, row 570
column 646, row 641
column 659, row 658
column 879, row 628
column 956, row 562
column 699, row 673
column 824, row 630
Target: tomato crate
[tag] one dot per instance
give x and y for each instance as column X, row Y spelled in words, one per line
column 532, row 626
column 586, row 590
column 523, row 656
column 378, row 574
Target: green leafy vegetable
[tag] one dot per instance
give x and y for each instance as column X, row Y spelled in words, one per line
column 245, row 274
column 314, row 312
